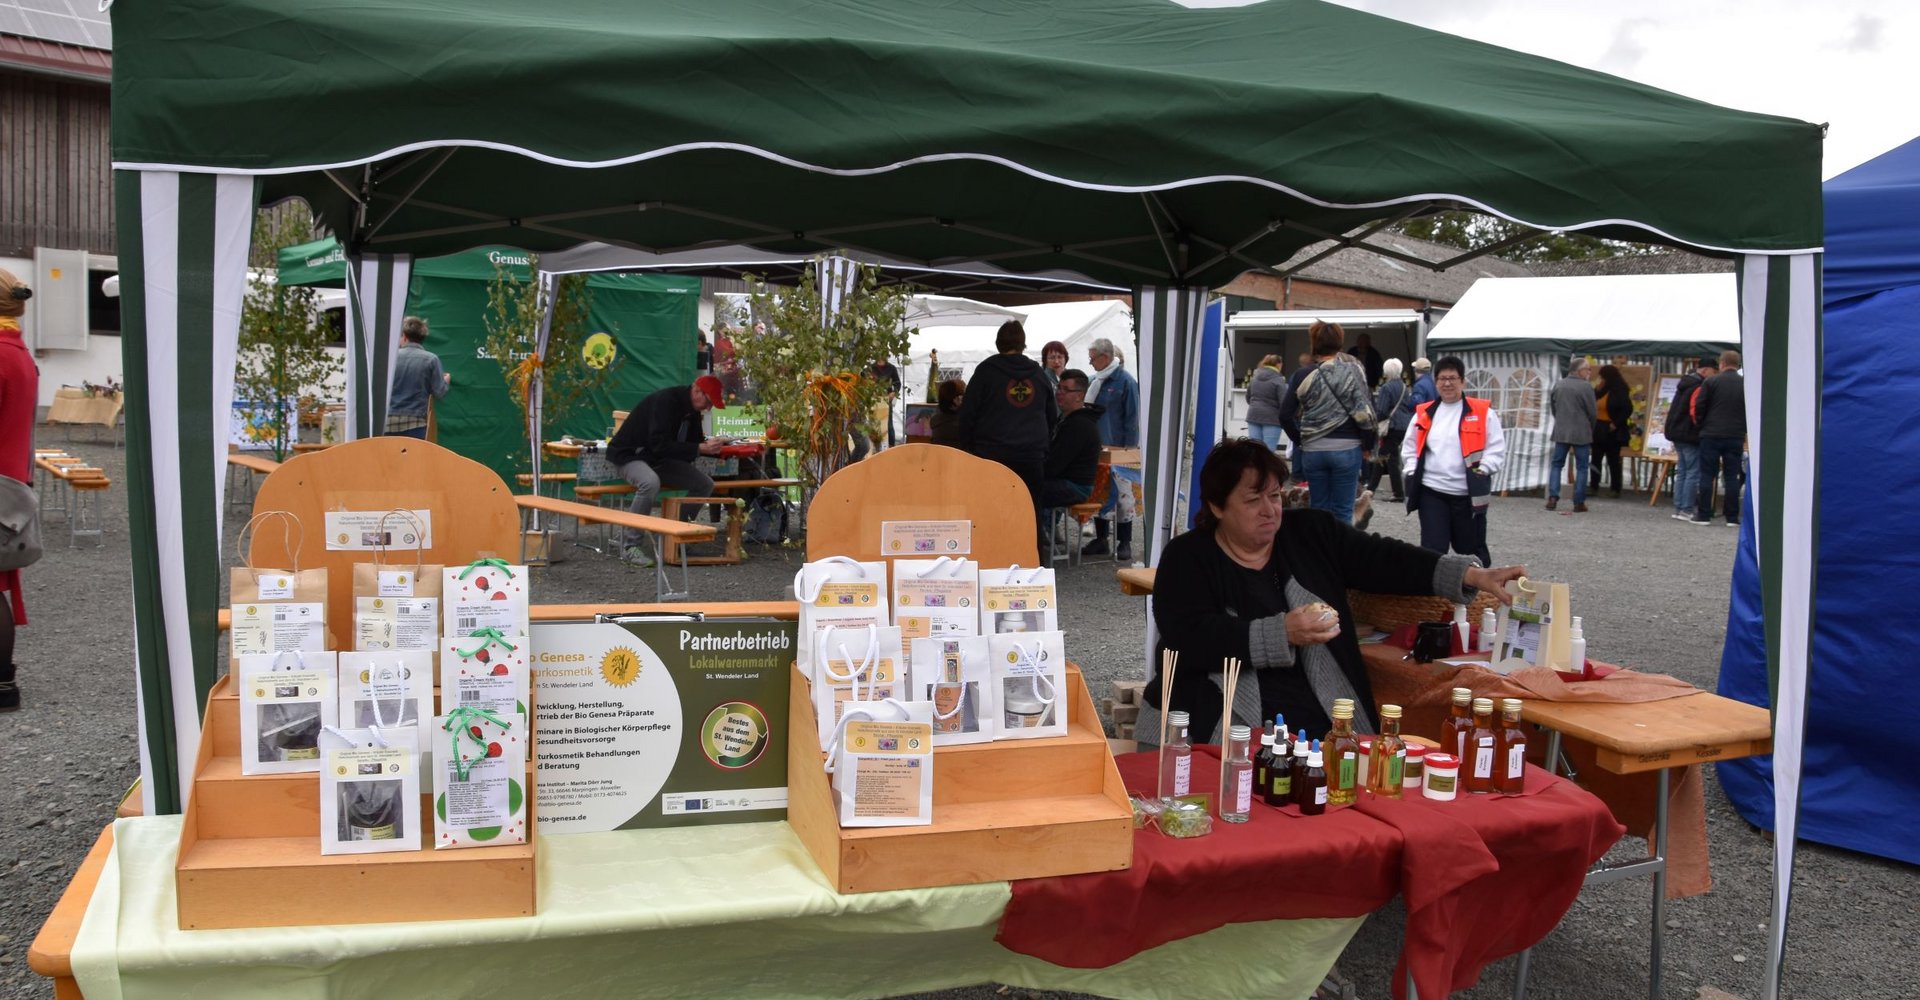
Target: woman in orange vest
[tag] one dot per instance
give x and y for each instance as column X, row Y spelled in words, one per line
column 1450, row 456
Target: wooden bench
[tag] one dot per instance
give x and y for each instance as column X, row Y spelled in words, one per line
column 257, row 465
column 78, row 522
column 64, row 473
column 732, row 485
column 658, row 528
column 526, row 479
column 672, row 507
column 595, row 491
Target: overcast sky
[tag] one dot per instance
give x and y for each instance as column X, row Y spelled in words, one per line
column 1852, row 63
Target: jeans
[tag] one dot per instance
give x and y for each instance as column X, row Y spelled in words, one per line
column 1267, row 434
column 1720, row 455
column 417, row 433
column 1580, row 452
column 1686, row 476
column 1333, row 477
column 647, row 478
column 1606, row 457
column 1448, row 521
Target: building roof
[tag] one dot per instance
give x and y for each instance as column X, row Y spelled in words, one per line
column 1357, row 268
column 36, row 55
column 1676, row 262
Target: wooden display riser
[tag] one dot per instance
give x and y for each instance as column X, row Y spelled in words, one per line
column 1003, row 810
column 250, row 853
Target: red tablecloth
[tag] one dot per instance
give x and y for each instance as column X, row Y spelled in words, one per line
column 1484, row 877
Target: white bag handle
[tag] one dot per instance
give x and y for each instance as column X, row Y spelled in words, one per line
column 1032, row 574
column 1038, row 671
column 299, row 659
column 373, row 732
column 840, row 729
column 866, row 666
column 959, row 566
column 378, row 673
column 800, row 578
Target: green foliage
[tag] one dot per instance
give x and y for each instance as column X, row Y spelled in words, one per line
column 283, row 337
column 514, row 310
column 1471, row 231
column 811, row 373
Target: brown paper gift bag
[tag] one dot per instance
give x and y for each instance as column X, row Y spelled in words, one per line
column 396, row 606
column 277, row 610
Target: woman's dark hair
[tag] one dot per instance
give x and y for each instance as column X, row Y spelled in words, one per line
column 1611, row 377
column 1226, row 464
column 1055, row 347
column 1452, row 364
column 1326, row 338
column 950, row 391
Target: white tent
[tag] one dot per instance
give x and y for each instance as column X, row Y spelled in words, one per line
column 1075, row 324
column 1516, row 336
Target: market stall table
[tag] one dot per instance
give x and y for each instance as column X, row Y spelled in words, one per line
column 684, row 899
column 1483, row 876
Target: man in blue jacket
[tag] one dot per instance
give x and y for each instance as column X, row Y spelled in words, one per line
column 1117, row 394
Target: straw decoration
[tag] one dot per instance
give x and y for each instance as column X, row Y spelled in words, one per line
column 1169, row 662
column 1229, row 679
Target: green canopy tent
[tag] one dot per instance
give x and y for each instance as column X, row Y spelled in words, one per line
column 1133, row 141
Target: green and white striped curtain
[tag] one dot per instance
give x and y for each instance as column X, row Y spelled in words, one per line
column 1167, row 321
column 183, row 259
column 376, row 304
column 1780, row 338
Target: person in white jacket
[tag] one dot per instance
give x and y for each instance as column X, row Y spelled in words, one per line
column 1456, row 445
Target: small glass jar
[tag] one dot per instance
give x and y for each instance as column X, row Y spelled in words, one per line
column 1441, row 776
column 1415, row 775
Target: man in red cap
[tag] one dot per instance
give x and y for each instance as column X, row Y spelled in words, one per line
column 658, row 444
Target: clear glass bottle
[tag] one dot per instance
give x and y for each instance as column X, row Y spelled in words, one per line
column 1313, row 801
column 1176, row 758
column 1458, row 725
column 1476, row 769
column 1238, row 806
column 1342, row 756
column 1386, row 771
column 1510, row 769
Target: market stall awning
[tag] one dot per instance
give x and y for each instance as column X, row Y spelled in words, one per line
column 1133, row 141
column 1664, row 314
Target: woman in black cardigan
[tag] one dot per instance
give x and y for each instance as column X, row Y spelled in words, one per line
column 1247, row 583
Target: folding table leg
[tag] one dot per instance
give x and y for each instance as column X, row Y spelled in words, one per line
column 1659, row 886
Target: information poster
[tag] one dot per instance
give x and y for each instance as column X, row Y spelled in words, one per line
column 1655, row 442
column 660, row 724
column 366, row 530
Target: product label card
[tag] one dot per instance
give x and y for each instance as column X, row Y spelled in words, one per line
column 369, row 785
column 275, row 587
column 889, row 760
column 396, row 623
column 396, row 583
column 274, row 628
column 362, row 530
column 480, row 800
column 854, row 594
column 1017, row 608
column 926, row 538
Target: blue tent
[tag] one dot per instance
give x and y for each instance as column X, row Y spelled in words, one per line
column 1854, row 794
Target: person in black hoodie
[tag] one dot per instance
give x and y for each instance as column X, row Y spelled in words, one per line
column 1007, row 415
column 1720, row 411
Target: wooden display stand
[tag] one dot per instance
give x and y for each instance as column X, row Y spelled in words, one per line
column 250, row 844
column 1003, row 810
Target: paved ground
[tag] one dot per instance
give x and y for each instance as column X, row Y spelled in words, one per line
column 1653, row 592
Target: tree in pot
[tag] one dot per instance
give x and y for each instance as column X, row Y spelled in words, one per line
column 810, row 367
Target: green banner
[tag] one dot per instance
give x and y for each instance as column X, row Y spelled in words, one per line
column 651, row 321
column 322, row 262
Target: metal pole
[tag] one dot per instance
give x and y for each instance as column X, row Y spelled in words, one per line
column 1659, row 886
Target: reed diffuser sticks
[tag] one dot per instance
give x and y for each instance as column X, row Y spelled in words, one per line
column 1169, row 662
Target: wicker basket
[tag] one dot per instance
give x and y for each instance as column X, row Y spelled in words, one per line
column 1390, row 611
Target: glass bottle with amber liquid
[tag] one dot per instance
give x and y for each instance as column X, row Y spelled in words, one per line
column 1276, row 786
column 1342, row 756
column 1510, row 774
column 1386, row 771
column 1297, row 774
column 1313, row 798
column 1458, row 725
column 1477, row 769
column 1263, row 763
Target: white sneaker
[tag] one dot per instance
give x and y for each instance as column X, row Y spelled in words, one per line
column 1678, row 516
